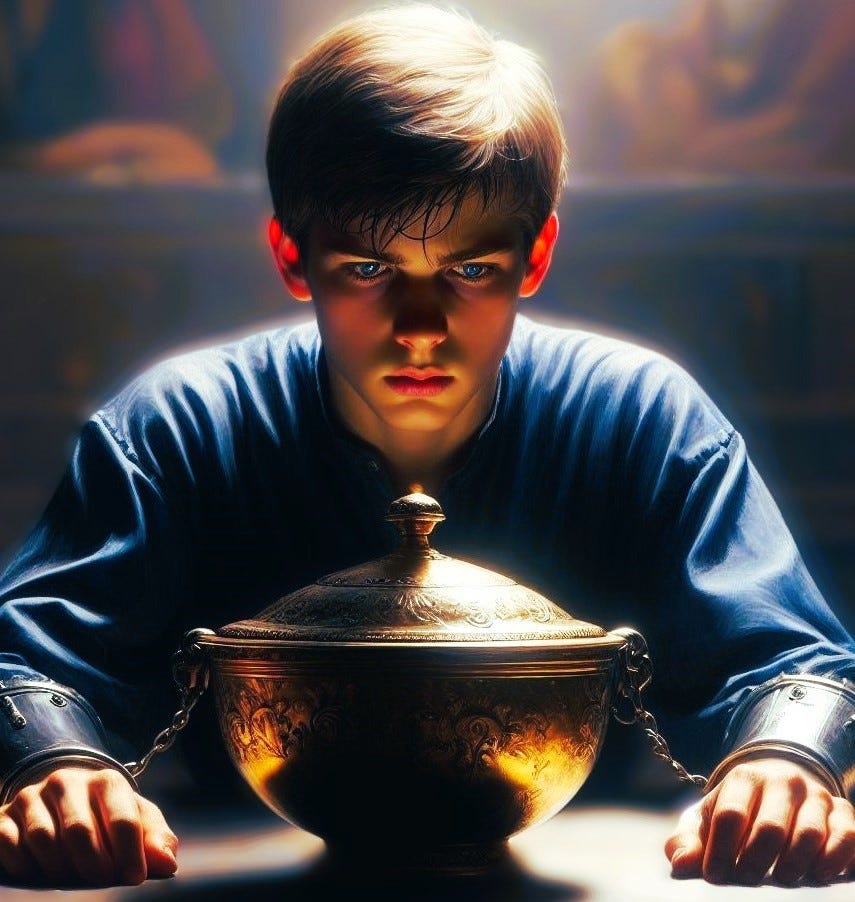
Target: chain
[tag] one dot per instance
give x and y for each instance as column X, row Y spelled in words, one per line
column 637, row 675
column 190, row 675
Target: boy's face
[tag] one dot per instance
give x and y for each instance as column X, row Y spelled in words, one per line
column 414, row 335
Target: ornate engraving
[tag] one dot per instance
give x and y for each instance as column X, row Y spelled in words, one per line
column 259, row 724
column 470, row 726
column 402, row 613
column 462, row 725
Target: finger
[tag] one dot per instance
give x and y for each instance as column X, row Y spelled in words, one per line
column 729, row 821
column 839, row 851
column 114, row 802
column 770, row 828
column 78, row 832
column 16, row 863
column 685, row 847
column 160, row 843
column 38, row 834
column 808, row 836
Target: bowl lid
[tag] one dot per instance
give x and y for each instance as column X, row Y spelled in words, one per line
column 414, row 594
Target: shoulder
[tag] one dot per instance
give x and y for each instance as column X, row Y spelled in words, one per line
column 201, row 398
column 611, row 385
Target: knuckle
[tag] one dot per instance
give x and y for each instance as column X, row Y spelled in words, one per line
column 729, row 816
column 126, row 824
column 81, row 834
column 847, row 839
column 53, row 785
column 747, row 772
column 126, row 831
column 25, row 797
column 795, row 783
column 40, row 836
column 825, row 802
column 843, row 807
column 110, row 778
column 771, row 832
column 810, row 835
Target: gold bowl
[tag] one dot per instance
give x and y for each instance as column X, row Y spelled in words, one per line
column 416, row 709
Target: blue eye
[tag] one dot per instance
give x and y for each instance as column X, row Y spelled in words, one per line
column 368, row 270
column 473, row 271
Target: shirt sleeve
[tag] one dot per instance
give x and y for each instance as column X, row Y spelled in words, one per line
column 736, row 605
column 92, row 598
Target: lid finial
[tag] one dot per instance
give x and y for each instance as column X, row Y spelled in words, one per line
column 415, row 515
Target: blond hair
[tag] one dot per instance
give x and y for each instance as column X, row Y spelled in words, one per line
column 395, row 117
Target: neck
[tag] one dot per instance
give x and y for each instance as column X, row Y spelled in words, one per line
column 426, row 457
column 425, row 470
column 422, row 458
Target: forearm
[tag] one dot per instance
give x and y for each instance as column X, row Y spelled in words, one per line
column 806, row 718
column 44, row 725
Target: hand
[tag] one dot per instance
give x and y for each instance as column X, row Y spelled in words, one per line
column 80, row 826
column 764, row 812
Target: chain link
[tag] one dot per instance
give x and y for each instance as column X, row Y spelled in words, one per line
column 190, row 675
column 629, row 708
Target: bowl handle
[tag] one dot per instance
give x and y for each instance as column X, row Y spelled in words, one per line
column 190, row 674
column 636, row 674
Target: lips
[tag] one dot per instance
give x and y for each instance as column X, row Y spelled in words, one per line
column 419, row 383
column 419, row 373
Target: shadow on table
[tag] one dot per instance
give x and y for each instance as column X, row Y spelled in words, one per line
column 510, row 883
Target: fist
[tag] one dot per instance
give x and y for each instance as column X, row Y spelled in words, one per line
column 80, row 826
column 768, row 813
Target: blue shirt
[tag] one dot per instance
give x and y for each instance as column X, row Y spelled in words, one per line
column 603, row 477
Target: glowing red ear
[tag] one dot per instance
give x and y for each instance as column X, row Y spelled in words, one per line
column 283, row 245
column 539, row 250
column 286, row 255
column 540, row 257
column 543, row 244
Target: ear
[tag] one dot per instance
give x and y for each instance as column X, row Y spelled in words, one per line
column 540, row 257
column 286, row 254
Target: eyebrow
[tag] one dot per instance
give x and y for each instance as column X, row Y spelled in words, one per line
column 345, row 248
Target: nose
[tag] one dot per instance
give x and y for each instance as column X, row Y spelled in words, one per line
column 420, row 324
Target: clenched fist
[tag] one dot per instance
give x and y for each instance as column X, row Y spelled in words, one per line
column 80, row 826
column 766, row 813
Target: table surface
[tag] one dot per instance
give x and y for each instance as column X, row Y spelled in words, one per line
column 602, row 853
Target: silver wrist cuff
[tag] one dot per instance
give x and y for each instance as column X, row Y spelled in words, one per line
column 44, row 725
column 808, row 719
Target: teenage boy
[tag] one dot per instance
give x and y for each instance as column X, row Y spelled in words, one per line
column 415, row 165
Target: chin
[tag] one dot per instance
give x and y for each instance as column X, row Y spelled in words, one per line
column 418, row 420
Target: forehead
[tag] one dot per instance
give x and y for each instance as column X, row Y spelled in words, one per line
column 440, row 234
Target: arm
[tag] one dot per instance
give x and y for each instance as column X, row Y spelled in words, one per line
column 89, row 602
column 744, row 605
column 779, row 795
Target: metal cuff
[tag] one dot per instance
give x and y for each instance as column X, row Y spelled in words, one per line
column 44, row 724
column 808, row 719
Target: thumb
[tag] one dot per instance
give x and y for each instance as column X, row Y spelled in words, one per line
column 159, row 842
column 684, row 848
column 160, row 856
